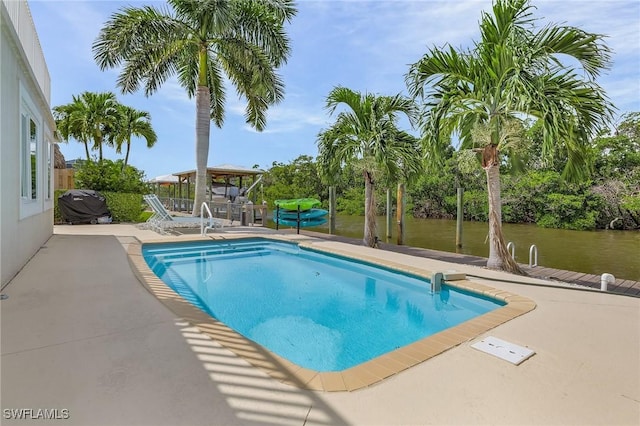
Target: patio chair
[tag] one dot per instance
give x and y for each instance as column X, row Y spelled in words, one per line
column 161, row 219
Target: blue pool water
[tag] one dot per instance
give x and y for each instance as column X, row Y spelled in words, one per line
column 322, row 312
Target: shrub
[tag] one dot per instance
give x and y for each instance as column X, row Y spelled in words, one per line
column 351, row 202
column 475, row 205
column 109, row 176
column 57, row 217
column 124, row 207
column 578, row 212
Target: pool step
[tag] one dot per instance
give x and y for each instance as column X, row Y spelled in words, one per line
column 188, row 251
column 208, row 253
column 217, row 256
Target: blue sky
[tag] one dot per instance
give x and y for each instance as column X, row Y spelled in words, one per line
column 364, row 45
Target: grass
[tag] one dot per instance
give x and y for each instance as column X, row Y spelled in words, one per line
column 144, row 216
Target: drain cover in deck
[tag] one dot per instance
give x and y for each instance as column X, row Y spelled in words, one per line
column 508, row 351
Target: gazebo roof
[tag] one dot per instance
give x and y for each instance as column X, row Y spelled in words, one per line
column 222, row 171
column 164, row 179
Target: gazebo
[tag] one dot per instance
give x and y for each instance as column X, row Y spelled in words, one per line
column 224, row 180
column 165, row 180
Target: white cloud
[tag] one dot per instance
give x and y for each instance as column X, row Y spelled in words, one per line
column 289, row 119
column 172, row 91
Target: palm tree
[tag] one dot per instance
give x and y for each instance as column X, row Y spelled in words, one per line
column 132, row 122
column 68, row 124
column 201, row 41
column 90, row 117
column 366, row 135
column 102, row 118
column 516, row 71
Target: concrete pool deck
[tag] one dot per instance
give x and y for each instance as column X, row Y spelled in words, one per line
column 79, row 332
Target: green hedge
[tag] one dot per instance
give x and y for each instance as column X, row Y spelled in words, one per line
column 123, row 207
column 57, row 217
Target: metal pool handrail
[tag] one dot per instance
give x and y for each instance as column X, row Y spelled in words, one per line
column 203, row 228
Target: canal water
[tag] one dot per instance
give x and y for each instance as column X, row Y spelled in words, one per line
column 592, row 252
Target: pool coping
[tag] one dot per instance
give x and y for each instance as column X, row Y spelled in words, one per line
column 351, row 379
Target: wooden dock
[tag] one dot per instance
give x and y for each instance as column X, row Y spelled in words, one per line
column 621, row 286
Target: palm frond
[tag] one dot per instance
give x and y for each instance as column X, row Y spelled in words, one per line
column 260, row 23
column 253, row 76
column 218, row 93
column 515, row 71
column 589, row 49
column 366, row 133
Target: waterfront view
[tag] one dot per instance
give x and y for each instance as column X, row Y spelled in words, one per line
column 593, row 252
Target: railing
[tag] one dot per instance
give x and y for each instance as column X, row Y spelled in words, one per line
column 203, row 228
column 248, row 191
column 533, row 253
column 233, row 212
column 533, row 256
column 20, row 16
column 177, row 204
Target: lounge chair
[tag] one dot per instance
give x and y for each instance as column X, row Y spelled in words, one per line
column 162, row 220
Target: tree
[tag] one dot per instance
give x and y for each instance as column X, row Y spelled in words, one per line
column 133, row 122
column 90, row 117
column 298, row 179
column 618, row 154
column 617, row 174
column 66, row 125
column 100, row 117
column 516, row 71
column 366, row 135
column 201, row 41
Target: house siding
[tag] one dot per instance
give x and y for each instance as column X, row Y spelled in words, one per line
column 25, row 224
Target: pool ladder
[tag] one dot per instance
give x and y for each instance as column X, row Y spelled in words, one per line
column 533, row 253
column 203, row 227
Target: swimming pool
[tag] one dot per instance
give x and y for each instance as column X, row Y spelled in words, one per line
column 320, row 311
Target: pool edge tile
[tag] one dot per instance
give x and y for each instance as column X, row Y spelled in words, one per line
column 332, row 381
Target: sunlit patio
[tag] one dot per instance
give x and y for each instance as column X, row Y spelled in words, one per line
column 79, row 332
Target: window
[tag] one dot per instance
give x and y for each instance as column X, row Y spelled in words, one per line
column 29, row 157
column 49, row 168
column 33, row 158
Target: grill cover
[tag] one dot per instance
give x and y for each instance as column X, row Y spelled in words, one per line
column 83, row 206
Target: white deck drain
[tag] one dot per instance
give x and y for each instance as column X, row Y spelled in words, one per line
column 508, row 351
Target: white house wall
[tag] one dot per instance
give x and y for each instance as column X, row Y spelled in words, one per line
column 25, row 223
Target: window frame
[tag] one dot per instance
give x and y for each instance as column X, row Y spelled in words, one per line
column 30, row 204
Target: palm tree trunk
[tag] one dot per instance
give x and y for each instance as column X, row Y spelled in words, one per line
column 499, row 257
column 369, row 239
column 203, row 106
column 86, row 150
column 126, row 157
column 97, row 142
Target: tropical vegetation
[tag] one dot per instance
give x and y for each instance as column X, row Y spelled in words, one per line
column 99, row 119
column 112, row 176
column 537, row 124
column 609, row 199
column 366, row 136
column 516, row 71
column 132, row 122
column 202, row 42
column 88, row 118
